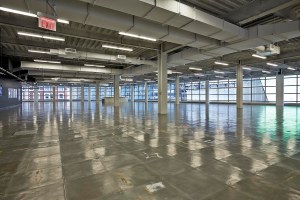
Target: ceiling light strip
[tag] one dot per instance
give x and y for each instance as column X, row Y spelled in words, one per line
column 194, row 68
column 258, row 56
column 116, row 47
column 18, row 12
column 41, row 36
column 47, row 61
column 221, row 63
column 92, row 65
column 138, row 36
column 272, row 64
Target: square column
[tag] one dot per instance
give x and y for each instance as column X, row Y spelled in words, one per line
column 146, row 92
column 54, row 93
column 97, row 92
column 132, row 93
column 239, row 89
column 36, row 93
column 177, row 90
column 162, row 83
column 82, row 94
column 71, row 94
column 280, row 90
column 207, row 92
column 89, row 93
column 116, row 90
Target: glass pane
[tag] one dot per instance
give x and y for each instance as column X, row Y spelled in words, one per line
column 290, row 97
column 290, row 89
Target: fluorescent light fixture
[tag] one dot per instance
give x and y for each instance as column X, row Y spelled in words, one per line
column 258, row 56
column 30, row 34
column 137, row 36
column 218, row 72
column 221, row 63
column 41, row 36
column 37, row 51
column 115, row 47
column 247, row 68
column 146, row 79
column 220, row 76
column 176, row 72
column 63, row 21
column 53, row 38
column 171, row 79
column 272, row 64
column 291, row 68
column 47, row 61
column 267, row 72
column 18, row 12
column 92, row 65
column 194, row 68
column 198, row 74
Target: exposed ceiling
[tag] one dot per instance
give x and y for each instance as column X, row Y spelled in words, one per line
column 88, row 37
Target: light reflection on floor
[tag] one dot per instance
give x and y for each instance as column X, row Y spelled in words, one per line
column 88, row 151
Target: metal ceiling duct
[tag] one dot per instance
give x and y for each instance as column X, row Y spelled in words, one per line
column 100, row 57
column 176, row 14
column 258, row 36
column 69, row 68
column 82, row 12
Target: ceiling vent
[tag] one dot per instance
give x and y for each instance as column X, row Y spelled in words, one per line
column 121, row 57
column 70, row 51
column 268, row 50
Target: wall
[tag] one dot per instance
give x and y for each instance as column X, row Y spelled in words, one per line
column 5, row 85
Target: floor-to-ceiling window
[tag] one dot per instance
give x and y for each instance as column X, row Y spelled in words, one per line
column 292, row 89
column 139, row 92
column 152, row 91
column 125, row 91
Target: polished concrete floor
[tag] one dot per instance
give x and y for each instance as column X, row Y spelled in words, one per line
column 83, row 152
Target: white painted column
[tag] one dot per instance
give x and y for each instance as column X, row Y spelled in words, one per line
column 162, row 83
column 239, row 89
column 97, row 92
column 146, row 92
column 207, row 92
column 36, row 94
column 280, row 90
column 82, row 93
column 71, row 94
column 54, row 94
column 89, row 93
column 132, row 93
column 177, row 90
column 116, row 90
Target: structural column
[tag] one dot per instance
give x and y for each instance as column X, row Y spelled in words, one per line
column 239, row 89
column 36, row 93
column 280, row 89
column 146, row 92
column 116, row 90
column 54, row 93
column 162, row 83
column 207, row 92
column 132, row 93
column 177, row 90
column 71, row 94
column 97, row 92
column 82, row 93
column 89, row 93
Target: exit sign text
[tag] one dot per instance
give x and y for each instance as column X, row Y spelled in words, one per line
column 47, row 23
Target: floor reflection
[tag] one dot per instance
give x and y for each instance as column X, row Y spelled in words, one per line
column 94, row 151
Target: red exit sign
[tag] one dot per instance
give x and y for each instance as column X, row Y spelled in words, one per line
column 47, row 23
